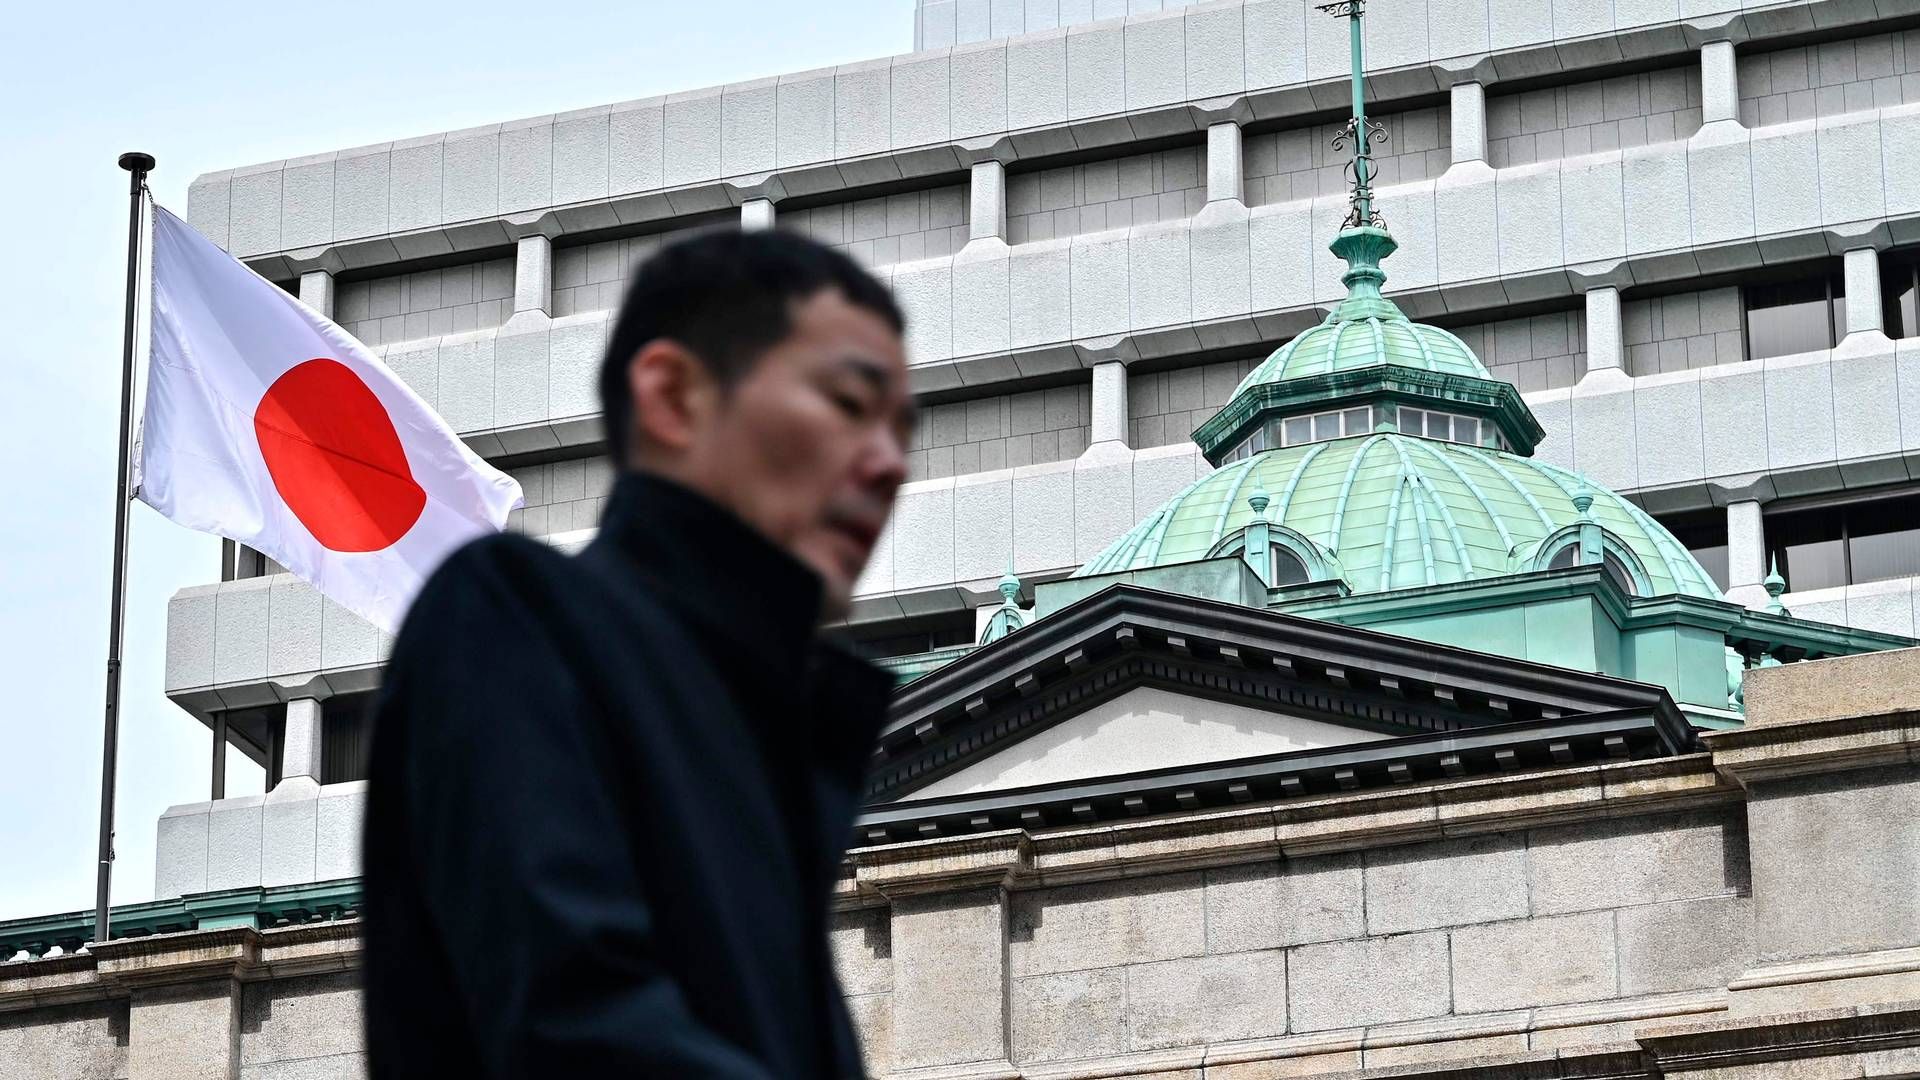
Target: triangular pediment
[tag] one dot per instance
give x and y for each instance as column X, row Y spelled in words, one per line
column 1145, row 728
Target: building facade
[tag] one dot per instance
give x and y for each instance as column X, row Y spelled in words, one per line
column 1156, row 800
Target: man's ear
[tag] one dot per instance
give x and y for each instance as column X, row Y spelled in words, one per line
column 673, row 395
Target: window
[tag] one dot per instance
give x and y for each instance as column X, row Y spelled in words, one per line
column 1609, row 562
column 1899, row 295
column 1284, row 567
column 346, row 735
column 1450, row 427
column 1704, row 534
column 1802, row 315
column 1822, row 547
column 1299, row 430
column 878, row 641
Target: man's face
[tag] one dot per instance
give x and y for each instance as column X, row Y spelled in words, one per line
column 809, row 445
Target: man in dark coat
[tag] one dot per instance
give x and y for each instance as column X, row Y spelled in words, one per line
column 610, row 792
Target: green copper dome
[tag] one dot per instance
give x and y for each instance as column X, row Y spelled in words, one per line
column 1392, row 511
column 1345, row 342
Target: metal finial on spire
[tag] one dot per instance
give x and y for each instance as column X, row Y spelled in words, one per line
column 1009, row 587
column 1360, row 132
column 1775, row 585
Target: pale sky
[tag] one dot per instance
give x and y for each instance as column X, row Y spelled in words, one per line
column 204, row 87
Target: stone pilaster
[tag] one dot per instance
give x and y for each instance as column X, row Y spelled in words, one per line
column 756, row 214
column 300, row 745
column 533, row 275
column 950, row 979
column 1746, row 554
column 987, row 195
column 1469, row 122
column 1606, row 345
column 1719, row 83
column 1226, row 177
column 1862, row 267
column 316, row 291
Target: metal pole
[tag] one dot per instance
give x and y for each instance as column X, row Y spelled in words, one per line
column 1361, row 159
column 139, row 165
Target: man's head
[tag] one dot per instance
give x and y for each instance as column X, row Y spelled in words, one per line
column 766, row 372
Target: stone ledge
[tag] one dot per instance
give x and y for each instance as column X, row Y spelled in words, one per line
column 1749, row 755
column 1047, row 857
column 1871, row 684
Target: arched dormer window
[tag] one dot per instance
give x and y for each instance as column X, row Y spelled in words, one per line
column 1562, row 550
column 1291, row 559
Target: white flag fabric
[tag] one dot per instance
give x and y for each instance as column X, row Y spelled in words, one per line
column 268, row 424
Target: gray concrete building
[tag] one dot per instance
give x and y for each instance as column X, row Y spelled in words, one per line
column 1687, row 232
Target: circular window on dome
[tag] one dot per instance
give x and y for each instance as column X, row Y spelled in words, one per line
column 1615, row 567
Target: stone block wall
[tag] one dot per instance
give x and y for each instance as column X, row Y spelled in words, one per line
column 1545, row 917
column 1001, row 432
column 1831, row 78
column 593, row 277
column 1164, row 185
column 1163, row 407
column 306, row 1026
column 1537, row 352
column 1592, row 116
column 890, row 229
column 562, row 496
column 1301, row 163
column 1682, row 331
column 426, row 303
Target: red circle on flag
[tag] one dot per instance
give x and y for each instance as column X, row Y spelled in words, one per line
column 336, row 459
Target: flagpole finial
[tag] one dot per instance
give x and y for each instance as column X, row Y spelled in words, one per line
column 1363, row 241
column 137, row 162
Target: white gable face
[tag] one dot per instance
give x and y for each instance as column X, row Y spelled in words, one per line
column 1144, row 728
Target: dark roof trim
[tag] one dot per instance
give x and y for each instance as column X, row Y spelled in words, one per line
column 1532, row 745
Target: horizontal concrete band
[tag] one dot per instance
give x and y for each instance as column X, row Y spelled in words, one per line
column 923, row 113
column 1473, row 239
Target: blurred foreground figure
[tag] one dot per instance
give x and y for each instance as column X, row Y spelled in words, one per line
column 610, row 792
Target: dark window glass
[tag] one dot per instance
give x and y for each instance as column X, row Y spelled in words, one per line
column 346, row 733
column 1705, row 535
column 1792, row 316
column 1810, row 547
column 1286, row 568
column 1618, row 571
column 1564, row 557
column 1897, row 310
column 1883, row 539
column 882, row 640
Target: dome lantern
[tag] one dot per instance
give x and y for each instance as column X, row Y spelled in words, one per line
column 1367, row 364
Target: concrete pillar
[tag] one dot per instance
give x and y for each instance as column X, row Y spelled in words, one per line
column 987, row 195
column 1109, row 420
column 950, row 979
column 1746, row 554
column 316, row 291
column 533, row 275
column 185, row 1031
column 1863, row 292
column 1719, row 83
column 300, row 741
column 1469, row 122
column 1226, row 178
column 756, row 214
column 1606, row 341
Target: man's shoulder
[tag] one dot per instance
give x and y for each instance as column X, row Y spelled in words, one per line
column 494, row 582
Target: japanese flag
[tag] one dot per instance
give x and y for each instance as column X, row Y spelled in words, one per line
column 269, row 425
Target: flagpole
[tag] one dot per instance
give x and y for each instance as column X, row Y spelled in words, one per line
column 138, row 165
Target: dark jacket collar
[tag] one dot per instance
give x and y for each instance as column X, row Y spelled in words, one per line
column 714, row 569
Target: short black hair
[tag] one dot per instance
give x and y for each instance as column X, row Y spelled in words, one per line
column 727, row 295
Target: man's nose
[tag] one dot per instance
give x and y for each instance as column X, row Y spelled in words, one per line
column 884, row 462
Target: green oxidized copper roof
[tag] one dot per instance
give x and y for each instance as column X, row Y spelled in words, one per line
column 1366, row 328
column 1391, row 511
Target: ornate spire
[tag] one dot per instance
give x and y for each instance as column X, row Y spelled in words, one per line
column 1363, row 241
column 1009, row 617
